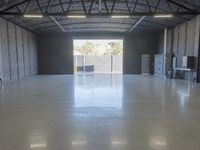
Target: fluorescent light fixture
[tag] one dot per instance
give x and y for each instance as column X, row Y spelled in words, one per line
column 39, row 145
column 119, row 16
column 119, row 142
column 79, row 142
column 164, row 16
column 76, row 16
column 33, row 16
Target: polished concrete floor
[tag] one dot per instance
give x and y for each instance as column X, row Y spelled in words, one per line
column 99, row 112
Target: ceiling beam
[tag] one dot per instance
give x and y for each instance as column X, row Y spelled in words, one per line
column 10, row 10
column 47, row 24
column 58, row 24
column 183, row 13
column 182, row 6
column 100, row 6
column 15, row 5
column 137, row 23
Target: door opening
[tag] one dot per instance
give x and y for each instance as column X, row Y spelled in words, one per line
column 98, row 56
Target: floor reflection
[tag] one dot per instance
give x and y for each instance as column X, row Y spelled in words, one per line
column 95, row 112
column 98, row 93
column 38, row 141
column 183, row 94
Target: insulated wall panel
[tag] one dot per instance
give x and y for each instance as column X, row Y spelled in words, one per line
column 190, row 42
column 169, row 41
column 5, row 53
column 169, row 49
column 176, row 40
column 12, row 51
column 31, row 55
column 1, row 63
column 1, row 56
column 181, row 43
column 20, row 54
column 26, row 53
column 185, row 40
column 35, row 55
column 197, row 36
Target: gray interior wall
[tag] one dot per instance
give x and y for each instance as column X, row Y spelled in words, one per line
column 97, row 35
column 4, row 50
column 184, row 37
column 161, row 43
column 55, row 51
column 26, row 53
column 12, row 51
column 135, row 45
column 183, row 40
column 55, row 54
column 170, row 38
column 15, row 46
column 1, row 61
column 20, row 52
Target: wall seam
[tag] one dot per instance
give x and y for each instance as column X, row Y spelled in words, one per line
column 17, row 52
column 178, row 38
column 29, row 53
column 186, row 38
column 9, row 55
column 23, row 51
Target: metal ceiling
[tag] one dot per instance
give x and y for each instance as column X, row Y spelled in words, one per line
column 98, row 14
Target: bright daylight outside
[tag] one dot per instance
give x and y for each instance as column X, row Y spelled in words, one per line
column 98, row 56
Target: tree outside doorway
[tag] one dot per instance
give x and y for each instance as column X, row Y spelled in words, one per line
column 98, row 56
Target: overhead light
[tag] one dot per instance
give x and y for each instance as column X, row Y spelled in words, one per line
column 39, row 145
column 83, row 142
column 76, row 16
column 33, row 16
column 164, row 16
column 119, row 16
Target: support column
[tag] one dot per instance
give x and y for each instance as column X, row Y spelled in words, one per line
column 198, row 66
column 165, row 51
column 197, row 48
column 1, row 61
